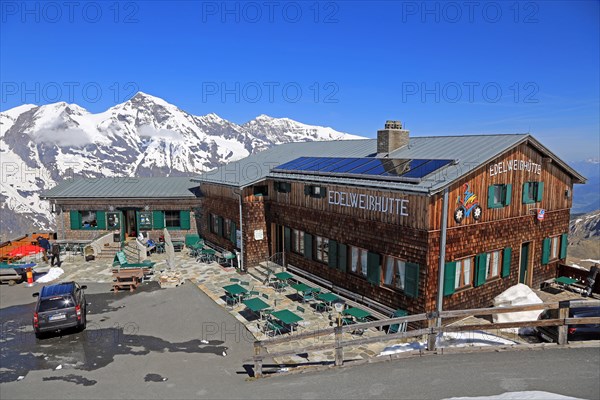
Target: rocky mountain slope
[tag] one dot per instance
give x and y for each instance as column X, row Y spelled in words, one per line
column 144, row 136
column 584, row 239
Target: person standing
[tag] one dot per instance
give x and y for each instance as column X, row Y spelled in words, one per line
column 55, row 252
column 44, row 244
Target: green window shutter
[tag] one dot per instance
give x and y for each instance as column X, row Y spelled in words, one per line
column 449, row 278
column 491, row 203
column 373, row 268
column 479, row 269
column 184, row 218
column 507, row 194
column 308, row 246
column 411, row 284
column 545, row 251
column 564, row 242
column 342, row 254
column 540, row 191
column 526, row 199
column 287, row 238
column 208, row 222
column 506, row 254
column 75, row 220
column 233, row 236
column 307, row 190
column 333, row 254
column 158, row 219
column 323, row 192
column 101, row 219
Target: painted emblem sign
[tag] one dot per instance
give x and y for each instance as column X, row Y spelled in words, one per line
column 467, row 205
column 541, row 214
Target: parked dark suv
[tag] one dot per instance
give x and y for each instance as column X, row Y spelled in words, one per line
column 574, row 332
column 60, row 306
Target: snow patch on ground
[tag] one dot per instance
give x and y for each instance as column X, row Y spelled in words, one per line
column 53, row 273
column 452, row 339
column 590, row 260
column 517, row 295
column 529, row 395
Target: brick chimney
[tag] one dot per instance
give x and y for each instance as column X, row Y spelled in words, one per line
column 392, row 137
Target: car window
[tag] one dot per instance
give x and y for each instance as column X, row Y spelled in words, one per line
column 56, row 303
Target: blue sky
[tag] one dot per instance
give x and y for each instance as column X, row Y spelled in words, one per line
column 440, row 67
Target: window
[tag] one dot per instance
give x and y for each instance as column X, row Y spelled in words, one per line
column 358, row 260
column 394, row 272
column 532, row 192
column 145, row 220
column 113, row 220
column 322, row 249
column 298, row 241
column 493, row 263
column 464, row 273
column 499, row 196
column 89, row 219
column 315, row 191
column 172, row 219
column 261, row 190
column 283, row 187
column 227, row 233
column 554, row 247
column 214, row 228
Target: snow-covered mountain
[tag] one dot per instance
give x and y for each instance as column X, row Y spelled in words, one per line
column 145, row 136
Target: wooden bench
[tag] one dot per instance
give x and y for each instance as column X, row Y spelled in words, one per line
column 127, row 279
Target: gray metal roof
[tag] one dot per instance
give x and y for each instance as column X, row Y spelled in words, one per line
column 256, row 167
column 159, row 187
column 468, row 151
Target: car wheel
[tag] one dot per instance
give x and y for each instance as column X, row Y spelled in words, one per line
column 477, row 213
column 459, row 214
column 38, row 335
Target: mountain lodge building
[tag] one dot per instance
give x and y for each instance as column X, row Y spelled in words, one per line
column 377, row 217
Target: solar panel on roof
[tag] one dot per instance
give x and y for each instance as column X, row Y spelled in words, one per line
column 374, row 168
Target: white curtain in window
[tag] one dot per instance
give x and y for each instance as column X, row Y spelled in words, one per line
column 401, row 273
column 363, row 262
column 554, row 248
column 389, row 270
column 457, row 274
column 354, row 259
column 495, row 263
column 467, row 271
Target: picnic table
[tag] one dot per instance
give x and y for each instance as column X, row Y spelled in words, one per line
column 301, row 287
column 235, row 290
column 256, row 305
column 127, row 279
column 287, row 318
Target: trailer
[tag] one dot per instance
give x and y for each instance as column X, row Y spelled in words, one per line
column 14, row 272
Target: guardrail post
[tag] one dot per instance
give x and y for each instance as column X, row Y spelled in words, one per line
column 563, row 313
column 257, row 360
column 431, row 336
column 339, row 350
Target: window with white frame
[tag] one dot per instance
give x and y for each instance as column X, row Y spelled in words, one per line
column 394, row 271
column 493, row 262
column 358, row 260
column 215, row 223
column 464, row 273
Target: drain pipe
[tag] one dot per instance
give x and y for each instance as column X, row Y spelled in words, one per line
column 440, row 297
column 241, row 258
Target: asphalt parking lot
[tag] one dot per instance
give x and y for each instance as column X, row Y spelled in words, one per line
column 133, row 343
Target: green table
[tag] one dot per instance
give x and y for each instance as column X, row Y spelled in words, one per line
column 357, row 313
column 564, row 280
column 283, row 276
column 235, row 289
column 328, row 297
column 256, row 305
column 287, row 317
column 301, row 287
